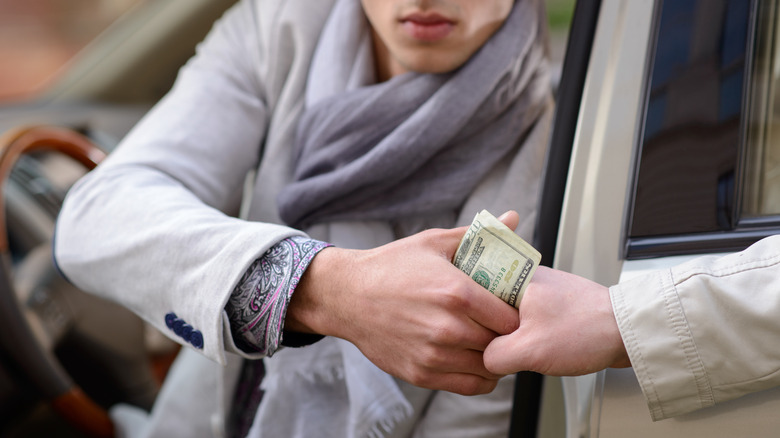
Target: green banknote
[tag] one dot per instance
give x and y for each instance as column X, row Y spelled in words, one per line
column 497, row 258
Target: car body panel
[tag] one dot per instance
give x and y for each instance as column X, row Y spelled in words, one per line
column 592, row 221
column 593, row 215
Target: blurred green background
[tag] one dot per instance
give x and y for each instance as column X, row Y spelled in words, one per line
column 559, row 13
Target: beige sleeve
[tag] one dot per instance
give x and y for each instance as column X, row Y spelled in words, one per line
column 698, row 333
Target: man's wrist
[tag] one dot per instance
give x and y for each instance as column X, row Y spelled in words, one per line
column 315, row 303
column 257, row 306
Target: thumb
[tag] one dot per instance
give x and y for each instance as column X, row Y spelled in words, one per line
column 504, row 355
column 511, row 219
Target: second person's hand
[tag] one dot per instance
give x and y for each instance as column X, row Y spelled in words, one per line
column 567, row 328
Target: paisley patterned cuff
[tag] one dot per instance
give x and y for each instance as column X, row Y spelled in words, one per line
column 257, row 306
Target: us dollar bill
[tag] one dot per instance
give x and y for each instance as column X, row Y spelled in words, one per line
column 497, row 258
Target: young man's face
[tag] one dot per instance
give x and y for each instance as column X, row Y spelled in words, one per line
column 431, row 36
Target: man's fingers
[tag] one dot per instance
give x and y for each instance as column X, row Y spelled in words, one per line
column 492, row 312
column 467, row 334
column 511, row 219
column 459, row 383
column 462, row 362
column 505, row 355
column 449, row 240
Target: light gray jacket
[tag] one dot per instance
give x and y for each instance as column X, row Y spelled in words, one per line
column 705, row 331
column 201, row 173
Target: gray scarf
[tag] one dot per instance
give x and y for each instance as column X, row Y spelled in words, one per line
column 418, row 144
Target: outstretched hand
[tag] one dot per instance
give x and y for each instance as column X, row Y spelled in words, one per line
column 408, row 309
column 567, row 328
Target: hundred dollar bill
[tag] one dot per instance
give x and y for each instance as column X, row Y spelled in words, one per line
column 497, row 258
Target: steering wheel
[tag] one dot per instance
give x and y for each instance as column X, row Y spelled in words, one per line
column 29, row 339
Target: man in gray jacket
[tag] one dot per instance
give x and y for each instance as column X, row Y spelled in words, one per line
column 276, row 196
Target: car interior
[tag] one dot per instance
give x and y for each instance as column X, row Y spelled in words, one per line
column 66, row 355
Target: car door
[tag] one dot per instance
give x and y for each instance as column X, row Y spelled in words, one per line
column 673, row 154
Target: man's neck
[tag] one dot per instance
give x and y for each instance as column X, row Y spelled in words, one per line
column 385, row 65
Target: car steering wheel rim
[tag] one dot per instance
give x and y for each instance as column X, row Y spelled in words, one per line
column 39, row 367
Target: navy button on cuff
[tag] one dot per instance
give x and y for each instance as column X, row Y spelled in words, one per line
column 177, row 327
column 170, row 318
column 196, row 339
column 184, row 330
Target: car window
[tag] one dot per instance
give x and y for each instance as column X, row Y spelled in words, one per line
column 708, row 157
column 762, row 161
column 38, row 37
column 691, row 130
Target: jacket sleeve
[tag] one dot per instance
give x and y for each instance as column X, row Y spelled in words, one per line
column 703, row 332
column 153, row 227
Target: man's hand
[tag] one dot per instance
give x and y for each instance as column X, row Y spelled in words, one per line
column 567, row 328
column 408, row 309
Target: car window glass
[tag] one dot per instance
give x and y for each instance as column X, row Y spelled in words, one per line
column 690, row 137
column 38, row 37
column 762, row 161
column 707, row 170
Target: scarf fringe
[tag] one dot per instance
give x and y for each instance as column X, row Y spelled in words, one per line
column 398, row 414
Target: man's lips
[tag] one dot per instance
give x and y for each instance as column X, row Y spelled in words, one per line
column 427, row 27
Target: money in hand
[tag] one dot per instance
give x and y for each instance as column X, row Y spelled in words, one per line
column 497, row 258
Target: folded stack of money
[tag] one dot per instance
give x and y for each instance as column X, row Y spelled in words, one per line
column 497, row 258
